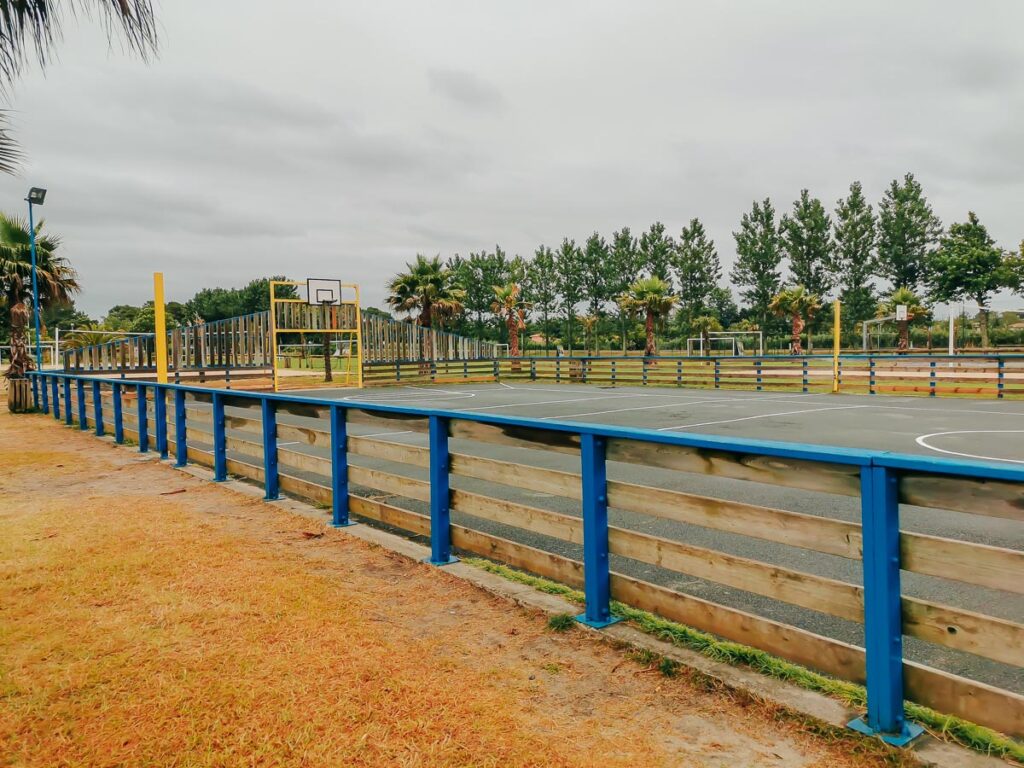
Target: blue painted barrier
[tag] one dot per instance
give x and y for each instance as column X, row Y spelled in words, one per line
column 879, row 473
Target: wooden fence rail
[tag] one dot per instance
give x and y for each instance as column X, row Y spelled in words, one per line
column 239, row 433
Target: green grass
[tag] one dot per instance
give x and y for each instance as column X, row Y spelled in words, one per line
column 561, row 622
column 949, row 727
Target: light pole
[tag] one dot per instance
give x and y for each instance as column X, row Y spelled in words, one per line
column 36, row 196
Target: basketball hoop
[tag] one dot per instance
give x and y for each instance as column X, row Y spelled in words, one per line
column 321, row 292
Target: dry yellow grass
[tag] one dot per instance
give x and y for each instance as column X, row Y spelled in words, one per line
column 143, row 625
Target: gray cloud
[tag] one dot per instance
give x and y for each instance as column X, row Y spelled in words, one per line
column 345, row 139
column 465, row 88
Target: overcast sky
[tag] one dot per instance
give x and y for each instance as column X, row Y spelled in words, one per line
column 341, row 138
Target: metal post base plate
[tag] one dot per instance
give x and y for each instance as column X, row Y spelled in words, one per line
column 449, row 561
column 582, row 619
column 349, row 524
column 910, row 732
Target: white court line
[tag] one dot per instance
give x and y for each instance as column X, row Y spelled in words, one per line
column 544, row 402
column 670, row 405
column 386, row 434
column 923, row 442
column 763, row 416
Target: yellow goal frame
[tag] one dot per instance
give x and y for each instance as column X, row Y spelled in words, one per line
column 355, row 333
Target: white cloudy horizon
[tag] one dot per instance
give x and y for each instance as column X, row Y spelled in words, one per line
column 342, row 139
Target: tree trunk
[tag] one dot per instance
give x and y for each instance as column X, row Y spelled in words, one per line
column 328, row 376
column 19, row 396
column 513, row 339
column 904, row 342
column 795, row 347
column 649, row 350
column 623, row 318
column 21, row 360
column 984, row 328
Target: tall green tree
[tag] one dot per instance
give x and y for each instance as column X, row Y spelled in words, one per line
column 917, row 311
column 806, row 236
column 56, row 280
column 908, row 231
column 542, row 288
column 800, row 306
column 656, row 251
column 651, row 297
column 856, row 261
column 624, row 268
column 596, row 274
column 476, row 277
column 697, row 270
column 757, row 271
column 969, row 265
column 569, row 283
column 428, row 289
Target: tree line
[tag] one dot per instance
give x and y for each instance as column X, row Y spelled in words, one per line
column 791, row 263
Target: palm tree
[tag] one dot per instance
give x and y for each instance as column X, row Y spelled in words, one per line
column 916, row 310
column 589, row 324
column 651, row 296
column 512, row 310
column 57, row 282
column 800, row 305
column 705, row 325
column 429, row 289
column 30, row 28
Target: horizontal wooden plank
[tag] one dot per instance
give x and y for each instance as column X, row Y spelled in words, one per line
column 509, row 513
column 821, row 534
column 996, row 639
column 539, row 479
column 818, row 593
column 794, row 473
column 796, row 645
column 521, row 437
column 380, row 449
column 551, row 566
column 979, row 564
column 973, row 701
column 994, row 498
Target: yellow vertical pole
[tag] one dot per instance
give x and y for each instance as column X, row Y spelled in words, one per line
column 161, row 327
column 836, row 341
column 273, row 333
column 359, row 341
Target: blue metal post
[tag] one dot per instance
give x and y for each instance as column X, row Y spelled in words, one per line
column 931, row 379
column 143, row 418
column 758, row 364
column 339, row 468
column 180, row 429
column 271, row 484
column 35, row 391
column 44, row 396
column 35, row 290
column 440, row 514
column 55, row 396
column 1000, row 364
column 803, row 369
column 97, row 408
column 596, row 580
column 883, row 628
column 220, row 442
column 115, row 393
column 67, row 402
column 160, row 417
column 83, row 422
column 643, row 371
column 717, row 373
column 871, row 375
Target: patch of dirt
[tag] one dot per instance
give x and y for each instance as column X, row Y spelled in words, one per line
column 149, row 617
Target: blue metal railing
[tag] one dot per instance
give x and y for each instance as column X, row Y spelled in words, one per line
column 879, row 474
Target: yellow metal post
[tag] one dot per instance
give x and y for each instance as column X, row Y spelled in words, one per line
column 273, row 331
column 836, row 342
column 359, row 341
column 161, row 327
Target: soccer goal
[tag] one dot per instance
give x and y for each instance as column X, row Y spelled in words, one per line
column 731, row 343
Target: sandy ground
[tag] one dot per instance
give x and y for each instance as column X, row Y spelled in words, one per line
column 150, row 618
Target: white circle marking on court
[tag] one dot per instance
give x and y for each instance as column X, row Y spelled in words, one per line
column 923, row 442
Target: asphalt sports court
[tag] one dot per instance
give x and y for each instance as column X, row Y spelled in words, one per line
column 983, row 430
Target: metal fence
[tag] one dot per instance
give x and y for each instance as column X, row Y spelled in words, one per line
column 240, row 433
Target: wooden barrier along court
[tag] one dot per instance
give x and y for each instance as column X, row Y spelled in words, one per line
column 240, row 434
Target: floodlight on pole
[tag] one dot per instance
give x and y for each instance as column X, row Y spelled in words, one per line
column 36, row 196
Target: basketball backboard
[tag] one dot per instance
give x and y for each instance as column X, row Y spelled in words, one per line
column 320, row 292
